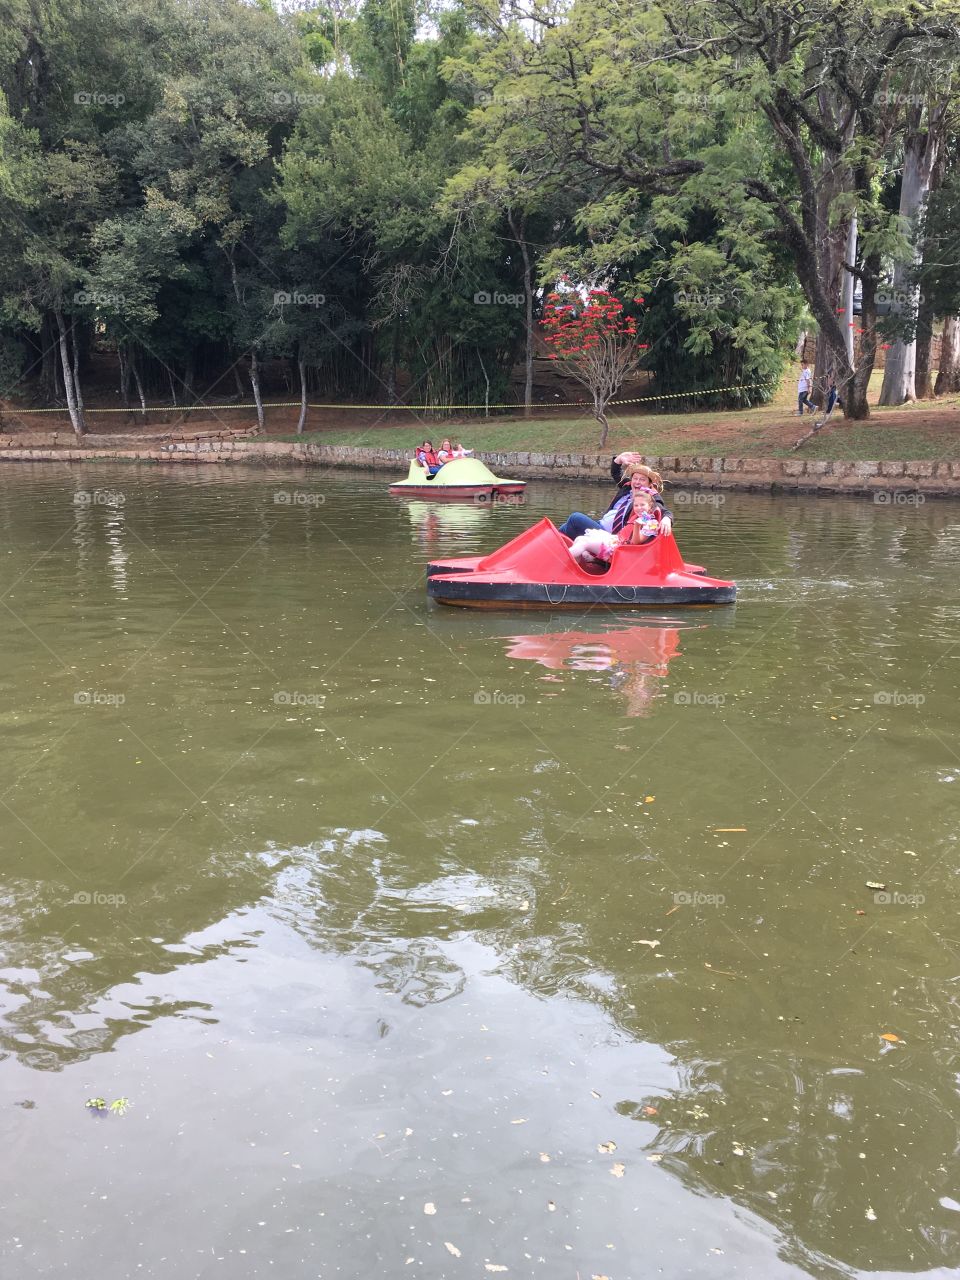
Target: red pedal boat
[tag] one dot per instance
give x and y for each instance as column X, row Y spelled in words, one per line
column 536, row 571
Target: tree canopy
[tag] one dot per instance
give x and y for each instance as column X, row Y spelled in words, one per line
column 379, row 196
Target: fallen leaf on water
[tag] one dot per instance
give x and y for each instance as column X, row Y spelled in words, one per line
column 888, row 1035
column 446, row 1093
column 494, row 1266
column 737, row 1149
column 607, row 1147
column 649, row 1111
column 860, row 913
column 544, row 1158
column 870, row 1215
column 551, row 1206
column 594, row 1094
column 596, row 1277
column 646, row 942
column 649, row 799
column 655, row 1158
column 521, row 1121
column 875, row 884
column 430, row 1208
column 451, row 1248
column 729, row 828
column 618, row 1170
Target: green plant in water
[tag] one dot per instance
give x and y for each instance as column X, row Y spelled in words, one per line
column 118, row 1106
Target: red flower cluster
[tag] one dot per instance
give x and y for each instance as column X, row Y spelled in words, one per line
column 574, row 327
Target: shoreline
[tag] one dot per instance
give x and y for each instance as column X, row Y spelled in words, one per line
column 759, row 475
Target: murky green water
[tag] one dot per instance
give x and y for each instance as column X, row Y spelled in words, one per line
column 355, row 899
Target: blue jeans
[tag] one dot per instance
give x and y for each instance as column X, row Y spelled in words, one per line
column 578, row 523
column 804, row 399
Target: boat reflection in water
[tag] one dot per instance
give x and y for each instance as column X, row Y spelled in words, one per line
column 637, row 656
column 432, row 521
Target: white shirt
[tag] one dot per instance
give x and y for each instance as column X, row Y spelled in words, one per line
column 803, row 383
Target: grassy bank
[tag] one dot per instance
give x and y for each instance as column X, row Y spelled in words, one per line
column 926, row 430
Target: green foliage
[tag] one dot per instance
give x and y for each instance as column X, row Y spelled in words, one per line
column 183, row 181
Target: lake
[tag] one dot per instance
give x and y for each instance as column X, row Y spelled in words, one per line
column 430, row 942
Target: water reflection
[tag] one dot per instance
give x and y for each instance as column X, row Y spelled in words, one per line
column 435, row 522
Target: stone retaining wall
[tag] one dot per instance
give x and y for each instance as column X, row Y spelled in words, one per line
column 796, row 475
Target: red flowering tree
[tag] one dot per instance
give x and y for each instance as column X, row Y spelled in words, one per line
column 596, row 343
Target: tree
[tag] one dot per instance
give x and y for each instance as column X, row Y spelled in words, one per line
column 786, row 140
column 597, row 343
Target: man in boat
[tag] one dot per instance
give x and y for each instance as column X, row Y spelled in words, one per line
column 635, row 476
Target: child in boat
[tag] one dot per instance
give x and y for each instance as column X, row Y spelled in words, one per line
column 636, row 476
column 427, row 458
column 596, row 546
column 445, row 453
column 644, row 523
column 460, row 452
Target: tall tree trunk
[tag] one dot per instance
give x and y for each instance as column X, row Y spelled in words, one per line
column 75, row 411
column 519, row 229
column 77, row 391
column 48, row 339
column 188, row 377
column 920, row 156
column 173, row 387
column 859, row 385
column 136, row 377
column 236, row 378
column 124, row 377
column 948, row 374
column 302, row 366
column 924, row 346
column 255, row 383
column 486, row 379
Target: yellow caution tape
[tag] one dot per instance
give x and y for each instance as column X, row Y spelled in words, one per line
column 409, row 408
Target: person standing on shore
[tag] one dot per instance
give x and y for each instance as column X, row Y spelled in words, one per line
column 804, row 383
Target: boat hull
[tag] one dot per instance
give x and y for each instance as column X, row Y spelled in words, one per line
column 460, row 590
column 458, row 493
column 462, row 480
column 536, row 571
